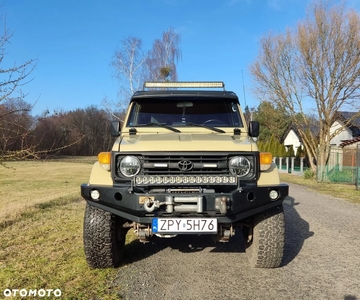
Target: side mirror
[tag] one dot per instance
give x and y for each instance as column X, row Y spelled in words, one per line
column 115, row 128
column 254, row 128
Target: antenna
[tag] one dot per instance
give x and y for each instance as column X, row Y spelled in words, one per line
column 242, row 74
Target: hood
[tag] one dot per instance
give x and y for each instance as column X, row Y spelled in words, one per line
column 184, row 142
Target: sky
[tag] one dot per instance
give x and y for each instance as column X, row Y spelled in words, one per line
column 74, row 42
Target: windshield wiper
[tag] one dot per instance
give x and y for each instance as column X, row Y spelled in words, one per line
column 205, row 126
column 164, row 126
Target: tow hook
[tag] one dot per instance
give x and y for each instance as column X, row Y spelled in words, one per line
column 151, row 204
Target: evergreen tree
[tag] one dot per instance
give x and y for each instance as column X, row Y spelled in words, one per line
column 261, row 146
column 290, row 152
column 282, row 150
column 247, row 114
column 273, row 121
column 300, row 152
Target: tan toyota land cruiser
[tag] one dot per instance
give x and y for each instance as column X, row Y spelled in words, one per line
column 184, row 162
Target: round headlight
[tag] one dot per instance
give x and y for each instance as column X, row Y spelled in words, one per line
column 129, row 166
column 239, row 166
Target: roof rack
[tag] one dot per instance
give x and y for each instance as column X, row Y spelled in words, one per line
column 184, row 84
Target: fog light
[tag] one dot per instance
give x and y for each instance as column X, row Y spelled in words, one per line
column 273, row 194
column 152, row 180
column 95, row 195
column 145, row 180
column 232, row 180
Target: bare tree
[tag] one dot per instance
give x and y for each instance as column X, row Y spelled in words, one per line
column 11, row 78
column 314, row 67
column 129, row 65
column 20, row 134
column 133, row 66
column 15, row 123
column 93, row 126
column 163, row 57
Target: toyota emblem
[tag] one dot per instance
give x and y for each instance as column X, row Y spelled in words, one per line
column 185, row 165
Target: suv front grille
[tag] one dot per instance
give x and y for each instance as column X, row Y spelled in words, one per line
column 185, row 169
column 189, row 165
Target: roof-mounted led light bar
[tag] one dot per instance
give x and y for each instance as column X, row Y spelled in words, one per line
column 185, row 84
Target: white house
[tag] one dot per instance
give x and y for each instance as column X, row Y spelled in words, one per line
column 350, row 127
column 349, row 132
column 292, row 139
column 344, row 134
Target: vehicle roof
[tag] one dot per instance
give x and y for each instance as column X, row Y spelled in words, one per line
column 176, row 94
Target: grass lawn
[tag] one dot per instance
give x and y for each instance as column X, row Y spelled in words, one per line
column 337, row 190
column 41, row 231
column 25, row 184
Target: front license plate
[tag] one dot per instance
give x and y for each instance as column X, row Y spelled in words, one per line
column 181, row 225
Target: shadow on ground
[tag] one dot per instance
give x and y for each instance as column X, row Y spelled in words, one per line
column 297, row 231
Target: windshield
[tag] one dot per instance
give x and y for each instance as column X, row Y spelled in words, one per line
column 211, row 112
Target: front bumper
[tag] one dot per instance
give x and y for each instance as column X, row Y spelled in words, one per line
column 228, row 208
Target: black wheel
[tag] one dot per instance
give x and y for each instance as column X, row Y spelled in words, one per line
column 104, row 241
column 266, row 246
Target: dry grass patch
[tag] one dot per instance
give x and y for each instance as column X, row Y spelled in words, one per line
column 25, row 184
column 44, row 250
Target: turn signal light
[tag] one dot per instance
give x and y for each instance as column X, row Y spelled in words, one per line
column 265, row 160
column 104, row 159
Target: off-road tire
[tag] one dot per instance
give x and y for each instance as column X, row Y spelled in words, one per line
column 266, row 248
column 104, row 242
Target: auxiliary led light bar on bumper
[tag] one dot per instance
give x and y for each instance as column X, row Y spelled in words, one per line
column 185, row 180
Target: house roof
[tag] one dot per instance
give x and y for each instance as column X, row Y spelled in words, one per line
column 347, row 115
column 286, row 133
column 349, row 142
column 313, row 127
column 351, row 120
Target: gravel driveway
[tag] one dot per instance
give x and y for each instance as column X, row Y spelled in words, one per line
column 322, row 260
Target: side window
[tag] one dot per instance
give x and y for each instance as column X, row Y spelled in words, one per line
column 235, row 115
column 133, row 118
